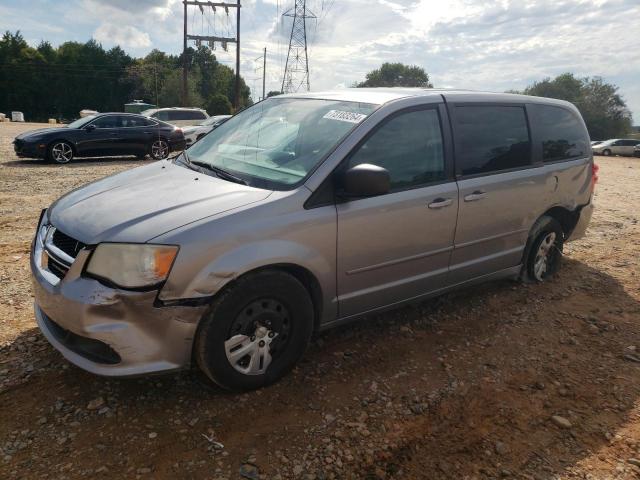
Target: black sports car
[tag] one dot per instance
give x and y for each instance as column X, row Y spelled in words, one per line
column 99, row 135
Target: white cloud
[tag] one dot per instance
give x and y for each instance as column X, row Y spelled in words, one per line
column 123, row 35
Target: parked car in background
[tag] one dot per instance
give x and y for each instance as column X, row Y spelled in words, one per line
column 595, row 142
column 303, row 212
column 104, row 134
column 179, row 116
column 195, row 132
column 616, row 146
column 636, row 151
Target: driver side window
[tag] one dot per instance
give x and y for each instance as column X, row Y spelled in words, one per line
column 409, row 146
column 108, row 121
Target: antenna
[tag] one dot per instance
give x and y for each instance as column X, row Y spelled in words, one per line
column 211, row 41
column 296, row 70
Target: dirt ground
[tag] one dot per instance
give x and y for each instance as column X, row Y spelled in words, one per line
column 500, row 381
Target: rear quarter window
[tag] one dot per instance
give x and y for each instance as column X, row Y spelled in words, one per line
column 559, row 132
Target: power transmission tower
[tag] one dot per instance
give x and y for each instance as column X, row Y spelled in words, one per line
column 211, row 39
column 296, row 69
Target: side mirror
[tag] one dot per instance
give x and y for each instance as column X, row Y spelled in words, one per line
column 365, row 180
column 90, row 128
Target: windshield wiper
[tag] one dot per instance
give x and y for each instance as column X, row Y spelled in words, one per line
column 220, row 173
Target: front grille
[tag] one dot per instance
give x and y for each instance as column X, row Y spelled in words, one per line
column 89, row 348
column 68, row 245
column 57, row 268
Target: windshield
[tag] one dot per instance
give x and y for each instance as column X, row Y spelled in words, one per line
column 81, row 121
column 276, row 143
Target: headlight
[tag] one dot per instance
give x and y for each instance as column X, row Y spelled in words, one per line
column 132, row 265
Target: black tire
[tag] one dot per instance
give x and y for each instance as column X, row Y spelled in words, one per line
column 159, row 149
column 60, row 151
column 606, row 152
column 543, row 261
column 283, row 304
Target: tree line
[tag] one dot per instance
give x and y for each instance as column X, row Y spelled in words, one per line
column 47, row 82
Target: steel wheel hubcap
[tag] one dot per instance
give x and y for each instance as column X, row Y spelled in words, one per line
column 543, row 255
column 259, row 332
column 159, row 149
column 62, row 152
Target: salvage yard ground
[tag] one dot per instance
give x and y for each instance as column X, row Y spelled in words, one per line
column 500, row 381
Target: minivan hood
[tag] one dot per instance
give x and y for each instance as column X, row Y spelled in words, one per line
column 140, row 204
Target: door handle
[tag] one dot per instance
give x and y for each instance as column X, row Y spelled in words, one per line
column 440, row 203
column 475, row 196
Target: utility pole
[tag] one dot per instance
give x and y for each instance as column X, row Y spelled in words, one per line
column 296, row 70
column 185, row 94
column 212, row 39
column 237, row 99
column 264, row 72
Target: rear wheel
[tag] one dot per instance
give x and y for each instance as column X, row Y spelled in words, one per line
column 60, row 152
column 159, row 149
column 544, row 254
column 255, row 331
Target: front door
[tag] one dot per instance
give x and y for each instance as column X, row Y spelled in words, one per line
column 397, row 246
column 103, row 139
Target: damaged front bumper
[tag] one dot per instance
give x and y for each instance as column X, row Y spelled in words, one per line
column 110, row 331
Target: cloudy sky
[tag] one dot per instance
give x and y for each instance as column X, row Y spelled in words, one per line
column 473, row 44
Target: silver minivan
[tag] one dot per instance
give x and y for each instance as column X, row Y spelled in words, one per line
column 616, row 146
column 302, row 212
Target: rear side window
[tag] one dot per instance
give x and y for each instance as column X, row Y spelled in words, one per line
column 129, row 121
column 560, row 132
column 491, row 138
column 409, row 146
column 186, row 115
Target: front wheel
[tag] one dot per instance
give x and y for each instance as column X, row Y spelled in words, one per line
column 60, row 152
column 545, row 252
column 606, row 152
column 255, row 331
column 159, row 149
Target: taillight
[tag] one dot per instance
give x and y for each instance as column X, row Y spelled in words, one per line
column 594, row 175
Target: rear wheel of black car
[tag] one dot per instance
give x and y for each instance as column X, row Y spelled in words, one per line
column 255, row 331
column 60, row 152
column 159, row 149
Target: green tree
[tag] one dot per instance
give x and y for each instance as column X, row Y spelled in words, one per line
column 602, row 107
column 396, row 75
column 58, row 82
column 218, row 104
column 171, row 92
column 274, row 93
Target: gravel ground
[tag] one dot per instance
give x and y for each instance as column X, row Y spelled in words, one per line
column 499, row 381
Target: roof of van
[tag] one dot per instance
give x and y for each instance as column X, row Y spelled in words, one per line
column 384, row 95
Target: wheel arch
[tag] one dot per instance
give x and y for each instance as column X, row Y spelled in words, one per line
column 300, row 273
column 567, row 219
